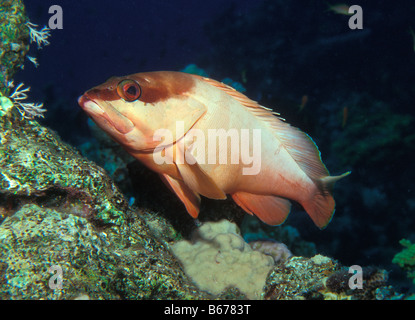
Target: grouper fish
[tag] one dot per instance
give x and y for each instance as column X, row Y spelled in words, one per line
column 205, row 138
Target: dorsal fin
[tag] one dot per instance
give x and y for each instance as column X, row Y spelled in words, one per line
column 243, row 99
column 297, row 143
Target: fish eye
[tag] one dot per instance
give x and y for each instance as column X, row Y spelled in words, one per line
column 129, row 90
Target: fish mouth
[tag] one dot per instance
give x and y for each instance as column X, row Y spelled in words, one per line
column 96, row 111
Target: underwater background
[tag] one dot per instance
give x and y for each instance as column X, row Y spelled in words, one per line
column 352, row 91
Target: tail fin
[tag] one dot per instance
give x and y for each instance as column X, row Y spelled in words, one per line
column 321, row 206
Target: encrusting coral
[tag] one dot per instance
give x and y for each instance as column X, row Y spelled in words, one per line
column 218, row 258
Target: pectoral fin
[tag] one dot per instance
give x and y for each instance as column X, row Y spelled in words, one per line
column 190, row 199
column 270, row 209
column 196, row 178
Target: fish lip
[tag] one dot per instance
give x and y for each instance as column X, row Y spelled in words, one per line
column 82, row 99
column 89, row 105
column 94, row 110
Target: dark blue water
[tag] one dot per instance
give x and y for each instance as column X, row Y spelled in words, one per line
column 100, row 39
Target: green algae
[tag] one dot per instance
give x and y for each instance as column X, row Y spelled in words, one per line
column 406, row 258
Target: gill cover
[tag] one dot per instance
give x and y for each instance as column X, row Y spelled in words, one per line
column 160, row 104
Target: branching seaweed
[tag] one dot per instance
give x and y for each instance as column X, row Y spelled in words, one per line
column 38, row 36
column 27, row 110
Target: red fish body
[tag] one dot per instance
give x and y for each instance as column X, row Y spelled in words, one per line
column 205, row 138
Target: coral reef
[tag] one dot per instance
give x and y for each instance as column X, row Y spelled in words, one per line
column 217, row 258
column 194, row 69
column 253, row 231
column 14, row 40
column 124, row 262
column 277, row 250
column 59, row 209
column 109, row 155
column 322, row 278
column 374, row 285
column 37, row 167
column 299, row 278
column 376, row 132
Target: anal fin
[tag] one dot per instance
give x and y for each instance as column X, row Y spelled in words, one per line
column 320, row 209
column 190, row 199
column 271, row 209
